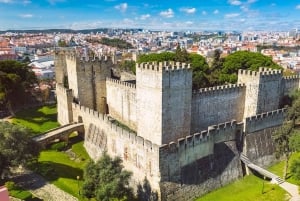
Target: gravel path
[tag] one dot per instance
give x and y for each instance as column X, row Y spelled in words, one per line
column 292, row 190
column 39, row 187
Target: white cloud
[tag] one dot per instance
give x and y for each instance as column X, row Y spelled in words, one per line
column 234, row 2
column 26, row 15
column 168, row 13
column 6, row 1
column 189, row 23
column 216, row 11
column 144, row 17
column 122, row 7
column 204, row 12
column 188, row 10
column 244, row 8
column 298, row 7
column 232, row 15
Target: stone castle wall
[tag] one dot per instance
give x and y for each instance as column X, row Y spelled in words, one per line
column 213, row 105
column 64, row 104
column 139, row 156
column 258, row 143
column 121, row 98
column 290, row 83
column 200, row 163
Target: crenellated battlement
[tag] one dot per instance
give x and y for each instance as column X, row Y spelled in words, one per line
column 164, row 66
column 264, row 120
column 292, row 77
column 263, row 72
column 214, row 134
column 123, row 134
column 219, row 89
column 61, row 89
column 263, row 116
column 120, row 83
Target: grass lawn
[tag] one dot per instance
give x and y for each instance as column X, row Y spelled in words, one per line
column 250, row 188
column 278, row 169
column 59, row 167
column 62, row 168
column 37, row 119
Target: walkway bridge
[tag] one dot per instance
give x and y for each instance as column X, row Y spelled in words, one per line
column 261, row 171
column 62, row 133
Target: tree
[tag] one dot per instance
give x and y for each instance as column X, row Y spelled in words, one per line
column 281, row 139
column 106, row 180
column 145, row 193
column 16, row 81
column 17, row 147
column 295, row 168
column 286, row 138
column 181, row 55
column 200, row 71
column 243, row 60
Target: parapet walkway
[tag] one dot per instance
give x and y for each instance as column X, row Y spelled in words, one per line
column 290, row 188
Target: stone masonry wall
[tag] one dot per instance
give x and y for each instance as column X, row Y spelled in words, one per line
column 121, row 99
column 263, row 90
column 200, row 163
column 290, row 83
column 139, row 156
column 163, row 101
column 258, row 143
column 64, row 104
column 213, row 105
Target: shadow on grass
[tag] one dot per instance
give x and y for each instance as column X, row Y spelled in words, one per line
column 53, row 171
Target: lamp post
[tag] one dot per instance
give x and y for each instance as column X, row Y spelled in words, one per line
column 263, row 186
column 78, row 177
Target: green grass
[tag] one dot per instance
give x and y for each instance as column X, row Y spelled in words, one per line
column 38, row 120
column 62, row 169
column 23, row 195
column 57, row 167
column 279, row 167
column 250, row 188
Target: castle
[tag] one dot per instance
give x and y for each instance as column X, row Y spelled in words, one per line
column 185, row 142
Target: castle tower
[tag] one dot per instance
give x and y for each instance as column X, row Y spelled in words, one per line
column 60, row 66
column 164, row 92
column 263, row 90
column 91, row 76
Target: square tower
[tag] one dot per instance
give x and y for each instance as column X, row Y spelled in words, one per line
column 164, row 93
column 263, row 90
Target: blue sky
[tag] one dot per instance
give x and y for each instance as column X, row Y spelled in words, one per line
column 151, row 14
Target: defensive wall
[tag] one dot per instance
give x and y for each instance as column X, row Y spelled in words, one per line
column 121, row 98
column 258, row 143
column 290, row 83
column 201, row 162
column 213, row 105
column 139, row 156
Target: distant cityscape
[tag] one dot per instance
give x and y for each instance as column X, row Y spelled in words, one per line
column 38, row 45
